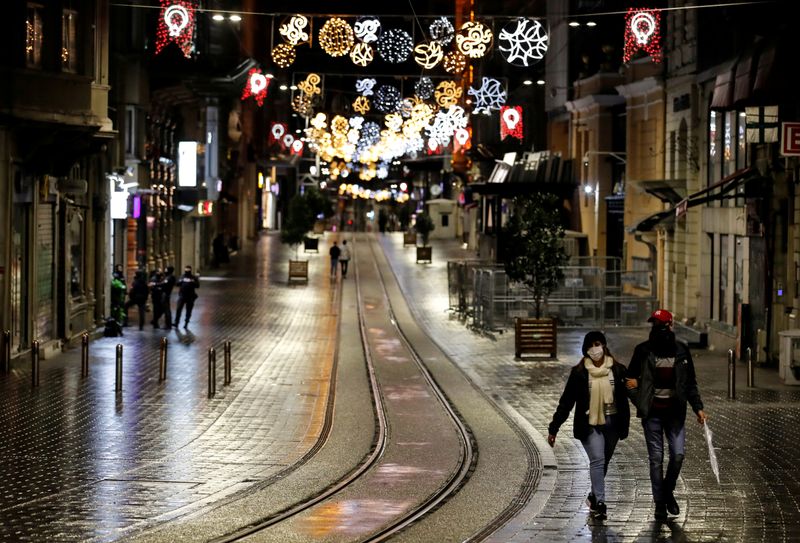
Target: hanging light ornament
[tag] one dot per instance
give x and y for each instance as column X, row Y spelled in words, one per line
column 393, row 122
column 643, row 31
column 368, row 29
column 424, row 87
column 523, row 42
column 511, row 122
column 454, row 62
column 428, row 55
column 302, row 105
column 442, row 30
column 395, row 45
column 362, row 54
column 336, row 37
column 310, row 85
column 474, row 39
column 294, row 30
column 489, row 96
column 257, row 85
column 176, row 24
column 364, row 86
column 283, row 55
column 387, row 99
column 448, row 93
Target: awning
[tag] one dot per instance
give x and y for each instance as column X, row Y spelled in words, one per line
column 744, row 79
column 667, row 190
column 723, row 90
column 764, row 75
column 723, row 186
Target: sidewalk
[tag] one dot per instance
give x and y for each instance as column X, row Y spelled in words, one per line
column 756, row 435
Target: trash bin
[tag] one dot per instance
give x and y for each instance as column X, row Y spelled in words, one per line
column 789, row 369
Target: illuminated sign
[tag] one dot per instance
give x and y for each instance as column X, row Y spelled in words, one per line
column 118, row 207
column 187, row 164
column 205, row 208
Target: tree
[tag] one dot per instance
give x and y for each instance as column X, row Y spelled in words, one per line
column 302, row 214
column 424, row 226
column 533, row 249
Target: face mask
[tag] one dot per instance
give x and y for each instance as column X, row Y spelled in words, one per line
column 596, row 353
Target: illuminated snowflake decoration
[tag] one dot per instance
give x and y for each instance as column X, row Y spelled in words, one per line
column 356, row 121
column 294, row 30
column 440, row 130
column 448, row 93
column 383, row 171
column 339, row 125
column 442, row 30
column 368, row 29
column 395, row 45
column 414, row 144
column 320, row 121
column 428, row 55
column 370, row 133
column 424, row 88
column 336, row 37
column 387, row 99
column 364, row 86
column 406, row 105
column 361, row 105
column 393, row 121
column 454, row 62
column 489, row 96
column 523, row 42
column 474, row 40
column 362, row 54
column 457, row 117
column 283, row 55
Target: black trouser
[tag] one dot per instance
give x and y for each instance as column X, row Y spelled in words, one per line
column 167, row 312
column 344, row 266
column 141, row 306
column 189, row 306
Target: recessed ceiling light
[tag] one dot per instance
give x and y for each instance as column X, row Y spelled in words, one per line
column 574, row 23
column 591, row 23
column 218, row 17
column 527, row 82
column 540, row 82
column 235, row 18
column 283, row 87
column 268, row 75
column 293, row 87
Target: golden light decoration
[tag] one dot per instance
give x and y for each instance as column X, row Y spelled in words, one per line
column 428, row 55
column 361, row 105
column 336, row 37
column 319, row 121
column 362, row 54
column 339, row 125
column 283, row 55
column 454, row 62
column 302, row 104
column 393, row 122
column 294, row 30
column 474, row 39
column 310, row 85
column 448, row 93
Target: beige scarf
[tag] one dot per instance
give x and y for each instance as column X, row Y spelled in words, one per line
column 600, row 389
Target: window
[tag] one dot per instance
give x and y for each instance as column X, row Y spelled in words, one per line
column 714, row 152
column 723, row 278
column 33, row 36
column 445, row 220
column 741, row 142
column 640, row 272
column 69, row 40
column 729, row 144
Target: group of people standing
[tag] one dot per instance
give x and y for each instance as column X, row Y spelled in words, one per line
column 158, row 288
column 659, row 381
column 339, row 255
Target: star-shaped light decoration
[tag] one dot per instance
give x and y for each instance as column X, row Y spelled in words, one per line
column 523, row 42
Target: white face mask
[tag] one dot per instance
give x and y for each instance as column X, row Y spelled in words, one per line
column 596, row 353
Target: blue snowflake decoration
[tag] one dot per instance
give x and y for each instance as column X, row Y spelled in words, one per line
column 489, row 96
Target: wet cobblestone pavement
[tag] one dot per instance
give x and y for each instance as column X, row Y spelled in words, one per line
column 756, row 436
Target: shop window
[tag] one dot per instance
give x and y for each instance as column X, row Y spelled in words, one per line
column 75, row 244
column 69, row 40
column 33, row 36
column 729, row 144
column 714, row 151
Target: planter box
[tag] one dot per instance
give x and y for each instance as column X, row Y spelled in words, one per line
column 535, row 336
column 311, row 244
column 409, row 238
column 424, row 254
column 298, row 270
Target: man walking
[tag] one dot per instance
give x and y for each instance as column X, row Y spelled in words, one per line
column 661, row 380
column 167, row 285
column 187, row 287
column 334, row 252
column 344, row 258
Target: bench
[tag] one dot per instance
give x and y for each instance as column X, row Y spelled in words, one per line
column 535, row 336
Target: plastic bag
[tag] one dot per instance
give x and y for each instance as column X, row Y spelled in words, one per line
column 712, row 455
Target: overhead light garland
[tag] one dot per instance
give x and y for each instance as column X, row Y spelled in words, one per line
column 257, row 85
column 336, row 37
column 302, row 105
column 523, row 42
column 424, row 87
column 428, row 55
column 367, row 29
column 442, row 30
column 283, row 55
column 176, row 24
column 474, row 39
column 395, row 45
column 362, row 54
column 310, row 85
column 454, row 62
column 511, row 122
column 294, row 30
column 489, row 96
column 643, row 31
column 387, row 99
column 364, row 86
column 448, row 93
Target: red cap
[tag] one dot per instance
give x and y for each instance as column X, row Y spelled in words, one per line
column 661, row 315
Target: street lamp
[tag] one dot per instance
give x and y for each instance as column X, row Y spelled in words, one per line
column 616, row 154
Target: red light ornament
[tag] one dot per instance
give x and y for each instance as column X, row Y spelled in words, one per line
column 277, row 132
column 257, row 85
column 176, row 25
column 511, row 122
column 643, row 31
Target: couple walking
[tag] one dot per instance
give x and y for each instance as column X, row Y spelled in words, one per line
column 659, row 381
column 339, row 255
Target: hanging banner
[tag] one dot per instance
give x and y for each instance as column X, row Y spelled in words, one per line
column 511, row 122
column 642, row 31
column 176, row 24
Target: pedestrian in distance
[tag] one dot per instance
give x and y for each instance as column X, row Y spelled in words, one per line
column 661, row 380
column 335, row 252
column 118, row 291
column 156, row 296
column 167, row 285
column 137, row 296
column 596, row 388
column 344, row 258
column 187, row 293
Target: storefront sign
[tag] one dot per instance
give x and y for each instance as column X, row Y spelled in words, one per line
column 187, row 164
column 790, row 139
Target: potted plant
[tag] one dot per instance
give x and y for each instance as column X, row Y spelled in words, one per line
column 424, row 226
column 534, row 255
column 299, row 220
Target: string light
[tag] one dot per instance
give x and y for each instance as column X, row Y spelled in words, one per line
column 489, row 96
column 428, row 55
column 454, row 62
column 474, row 39
column 294, row 31
column 336, row 37
column 283, row 55
column 368, row 29
column 448, row 93
column 387, row 99
column 424, row 87
column 442, row 30
column 176, row 24
column 302, row 104
column 523, row 42
column 395, row 45
column 643, row 31
column 362, row 54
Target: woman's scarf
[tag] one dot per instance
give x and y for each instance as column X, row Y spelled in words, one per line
column 600, row 391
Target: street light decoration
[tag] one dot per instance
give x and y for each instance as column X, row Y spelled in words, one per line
column 642, row 32
column 364, row 86
column 523, row 42
column 474, row 39
column 489, row 96
column 294, row 30
column 310, row 85
column 387, row 99
column 336, row 37
column 448, row 93
column 302, row 104
column 395, row 45
column 454, row 62
column 367, row 29
column 424, row 88
column 511, row 122
column 428, row 55
column 362, row 54
column 176, row 24
column 442, row 30
column 283, row 55
column 257, row 85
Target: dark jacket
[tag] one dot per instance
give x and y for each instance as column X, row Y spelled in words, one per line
column 576, row 393
column 139, row 290
column 642, row 368
column 335, row 251
column 187, row 284
column 168, row 284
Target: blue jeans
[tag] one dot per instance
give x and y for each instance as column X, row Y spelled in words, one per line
column 334, row 265
column 655, row 428
column 599, row 446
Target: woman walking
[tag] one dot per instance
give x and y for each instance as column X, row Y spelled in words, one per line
column 596, row 387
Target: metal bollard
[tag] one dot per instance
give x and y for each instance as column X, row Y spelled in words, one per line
column 6, row 351
column 34, row 364
column 227, row 354
column 751, row 381
column 731, row 375
column 84, row 354
column 162, row 372
column 212, row 372
column 118, row 384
